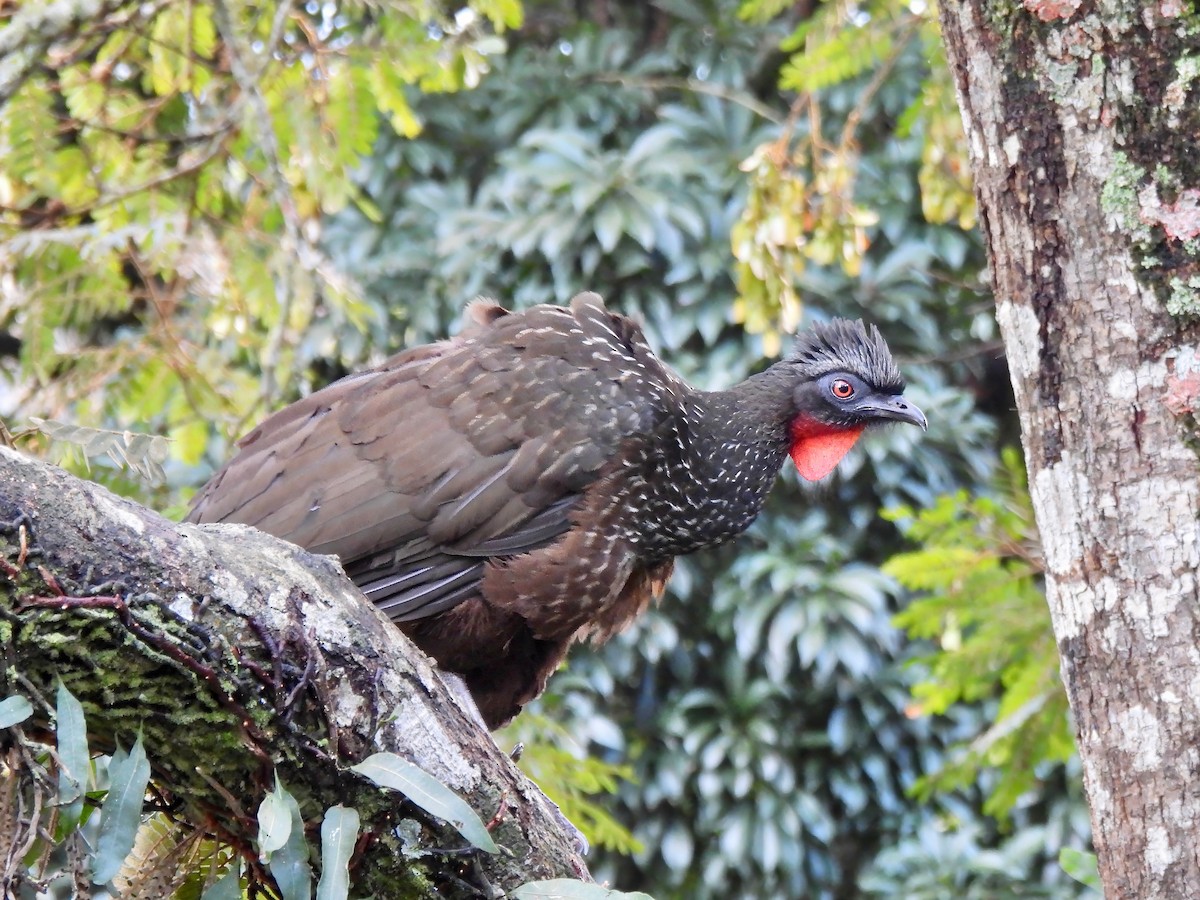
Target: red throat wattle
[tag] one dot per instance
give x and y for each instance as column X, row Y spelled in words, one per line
column 817, row 448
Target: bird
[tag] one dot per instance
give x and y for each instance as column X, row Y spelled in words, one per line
column 528, row 483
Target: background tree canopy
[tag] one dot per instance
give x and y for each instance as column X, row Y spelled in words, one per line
column 211, row 208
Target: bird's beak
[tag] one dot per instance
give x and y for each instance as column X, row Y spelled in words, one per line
column 895, row 408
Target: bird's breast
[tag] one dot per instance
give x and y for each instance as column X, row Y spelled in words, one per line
column 676, row 503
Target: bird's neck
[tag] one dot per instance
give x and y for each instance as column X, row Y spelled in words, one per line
column 762, row 404
column 751, row 419
column 705, row 473
column 762, row 410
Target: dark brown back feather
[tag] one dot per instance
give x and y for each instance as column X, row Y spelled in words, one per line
column 415, row 472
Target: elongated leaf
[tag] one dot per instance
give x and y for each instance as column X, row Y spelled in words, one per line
column 14, row 710
column 609, row 225
column 392, row 771
column 289, row 864
column 121, row 813
column 570, row 889
column 274, row 821
column 74, row 756
column 1081, row 866
column 228, row 886
column 339, row 833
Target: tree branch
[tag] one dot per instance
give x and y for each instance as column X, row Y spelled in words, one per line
column 296, row 242
column 237, row 656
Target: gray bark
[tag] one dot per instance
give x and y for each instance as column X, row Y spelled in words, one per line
column 237, row 656
column 1083, row 159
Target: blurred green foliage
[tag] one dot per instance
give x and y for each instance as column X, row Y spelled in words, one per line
column 250, row 231
column 166, row 168
column 979, row 573
column 579, row 782
column 804, row 206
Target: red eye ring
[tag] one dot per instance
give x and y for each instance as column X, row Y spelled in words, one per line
column 842, row 389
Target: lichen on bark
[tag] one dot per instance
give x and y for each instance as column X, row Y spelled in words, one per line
column 1085, row 206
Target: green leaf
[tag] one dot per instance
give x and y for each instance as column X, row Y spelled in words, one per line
column 274, row 821
column 389, row 91
column 391, row 771
column 74, row 756
column 14, row 710
column 570, row 889
column 228, row 887
column 979, row 563
column 121, row 814
column 501, row 13
column 289, row 864
column 845, row 53
column 609, row 225
column 1081, row 866
column 575, row 782
column 339, row 834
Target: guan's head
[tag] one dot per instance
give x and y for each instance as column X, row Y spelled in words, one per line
column 845, row 381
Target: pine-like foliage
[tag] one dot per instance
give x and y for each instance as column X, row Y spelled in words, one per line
column 166, row 168
column 804, row 206
column 978, row 578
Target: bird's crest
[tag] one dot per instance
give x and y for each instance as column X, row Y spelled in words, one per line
column 843, row 345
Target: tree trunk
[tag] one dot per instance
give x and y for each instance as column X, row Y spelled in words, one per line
column 1083, row 124
column 238, row 656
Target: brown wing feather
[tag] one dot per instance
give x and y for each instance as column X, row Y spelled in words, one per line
column 415, row 472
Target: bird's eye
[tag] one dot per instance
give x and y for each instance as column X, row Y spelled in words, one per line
column 842, row 389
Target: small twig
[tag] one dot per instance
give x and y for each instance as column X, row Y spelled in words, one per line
column 720, row 91
column 376, row 680
column 148, row 185
column 272, row 647
column 295, row 241
column 160, row 802
column 963, row 353
column 310, row 666
column 62, row 601
column 178, row 357
column 51, row 581
column 485, row 887
column 25, row 39
column 325, row 698
column 907, row 33
column 34, row 692
column 275, row 680
column 501, row 811
column 34, row 815
column 234, row 806
column 263, row 676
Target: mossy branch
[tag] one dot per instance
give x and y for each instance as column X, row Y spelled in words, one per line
column 236, row 656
